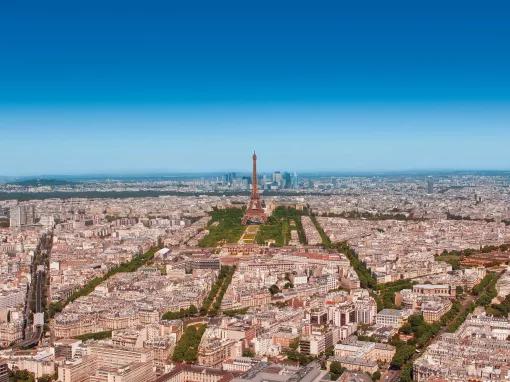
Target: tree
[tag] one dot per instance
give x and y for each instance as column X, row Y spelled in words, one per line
column 406, row 374
column 403, row 354
column 192, row 310
column 336, row 369
column 273, row 289
column 406, row 328
column 47, row 378
column 186, row 349
column 95, row 336
column 294, row 344
column 376, row 376
column 22, row 375
column 224, row 226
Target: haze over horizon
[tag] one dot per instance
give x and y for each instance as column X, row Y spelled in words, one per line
column 99, row 88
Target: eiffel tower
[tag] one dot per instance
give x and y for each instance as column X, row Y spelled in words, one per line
column 255, row 213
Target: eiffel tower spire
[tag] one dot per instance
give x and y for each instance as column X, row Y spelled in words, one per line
column 255, row 213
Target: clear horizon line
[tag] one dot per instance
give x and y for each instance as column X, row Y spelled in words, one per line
column 152, row 173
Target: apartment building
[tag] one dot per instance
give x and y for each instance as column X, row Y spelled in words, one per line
column 4, row 371
column 433, row 310
column 390, row 317
column 77, row 370
column 135, row 372
column 440, row 290
column 193, row 373
column 109, row 356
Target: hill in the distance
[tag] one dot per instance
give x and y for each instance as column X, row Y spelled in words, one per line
column 34, row 182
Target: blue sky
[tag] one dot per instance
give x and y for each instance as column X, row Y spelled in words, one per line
column 96, row 86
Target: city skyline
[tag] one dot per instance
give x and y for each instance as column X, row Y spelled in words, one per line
column 237, row 191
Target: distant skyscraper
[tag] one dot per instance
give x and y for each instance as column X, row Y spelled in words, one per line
column 246, row 181
column 295, row 183
column 21, row 215
column 277, row 178
column 230, row 177
column 16, row 216
column 265, row 182
column 287, row 180
column 430, row 185
column 30, row 214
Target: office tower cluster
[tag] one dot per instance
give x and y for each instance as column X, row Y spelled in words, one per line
column 276, row 181
column 281, row 180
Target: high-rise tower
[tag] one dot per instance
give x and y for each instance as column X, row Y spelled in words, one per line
column 255, row 213
column 430, row 185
